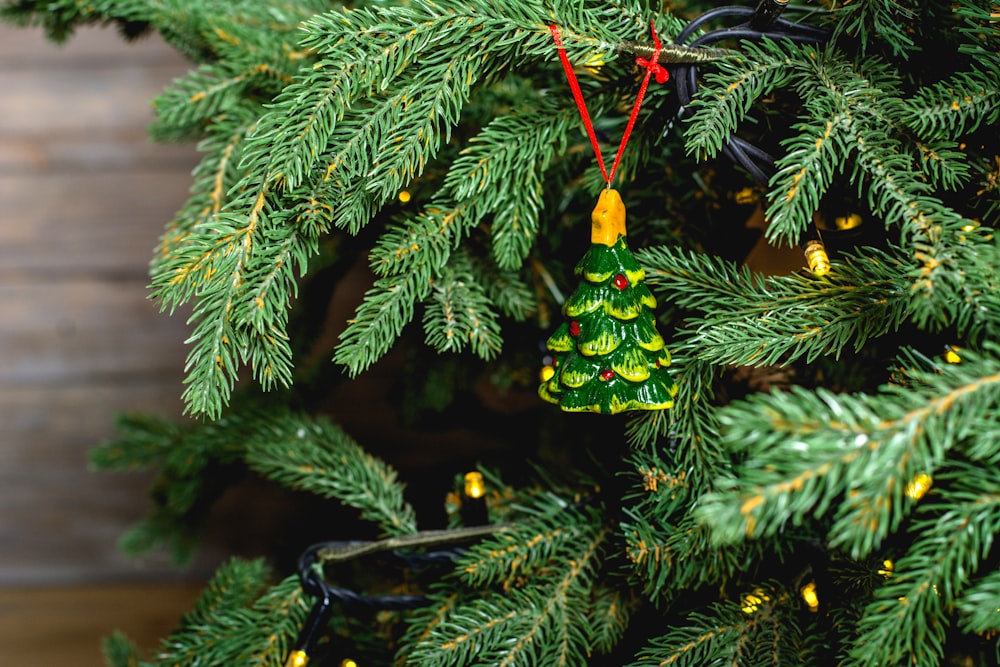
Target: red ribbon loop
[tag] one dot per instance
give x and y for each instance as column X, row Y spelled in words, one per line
column 652, row 68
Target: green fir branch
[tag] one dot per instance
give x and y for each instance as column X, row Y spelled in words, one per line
column 315, row 455
column 977, row 604
column 387, row 307
column 543, row 624
column 608, row 618
column 754, row 321
column 727, row 634
column 457, row 314
column 807, row 454
column 525, row 549
column 907, row 620
column 214, row 177
column 258, row 634
column 876, row 22
column 732, row 88
column 957, row 106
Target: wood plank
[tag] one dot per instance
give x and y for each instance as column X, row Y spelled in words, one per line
column 109, row 151
column 60, row 225
column 91, row 46
column 80, row 100
column 64, row 627
column 81, row 331
column 51, row 429
column 63, row 527
column 85, row 197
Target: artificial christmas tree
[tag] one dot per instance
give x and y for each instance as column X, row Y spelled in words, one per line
column 826, row 486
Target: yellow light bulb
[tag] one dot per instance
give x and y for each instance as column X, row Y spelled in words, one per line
column 347, row 662
column 404, row 196
column 919, row 486
column 297, row 659
column 475, row 485
column 546, row 373
column 951, row 354
column 594, row 63
column 887, row 566
column 809, row 596
column 816, row 258
column 752, row 601
column 846, row 222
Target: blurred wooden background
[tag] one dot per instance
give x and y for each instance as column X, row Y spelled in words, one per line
column 83, row 198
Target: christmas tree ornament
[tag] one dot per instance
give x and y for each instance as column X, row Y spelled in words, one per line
column 608, row 357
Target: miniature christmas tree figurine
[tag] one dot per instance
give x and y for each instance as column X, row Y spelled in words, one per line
column 608, row 356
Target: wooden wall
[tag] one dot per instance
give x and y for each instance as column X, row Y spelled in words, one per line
column 83, row 197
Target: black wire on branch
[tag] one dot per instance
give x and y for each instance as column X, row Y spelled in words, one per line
column 762, row 22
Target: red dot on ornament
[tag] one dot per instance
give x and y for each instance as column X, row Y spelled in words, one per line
column 621, row 282
column 607, row 374
column 574, row 328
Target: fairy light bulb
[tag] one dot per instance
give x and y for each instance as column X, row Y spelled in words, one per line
column 886, row 569
column 347, row 662
column 752, row 601
column 475, row 485
column 846, row 222
column 474, row 510
column 404, row 196
column 816, row 258
column 918, row 486
column 809, row 596
column 297, row 659
column 951, row 354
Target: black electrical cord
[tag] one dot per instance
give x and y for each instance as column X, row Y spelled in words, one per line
column 762, row 22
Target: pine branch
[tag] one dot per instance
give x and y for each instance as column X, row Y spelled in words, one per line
column 524, row 549
column 882, row 20
column 907, row 620
column 609, row 615
column 258, row 634
column 977, row 605
column 957, row 106
column 508, row 290
column 119, row 651
column 725, row 633
column 835, row 92
column 808, row 453
column 196, row 99
column 458, row 314
column 732, row 89
column 558, row 550
column 753, row 321
column 214, row 177
column 386, row 309
column 315, row 455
